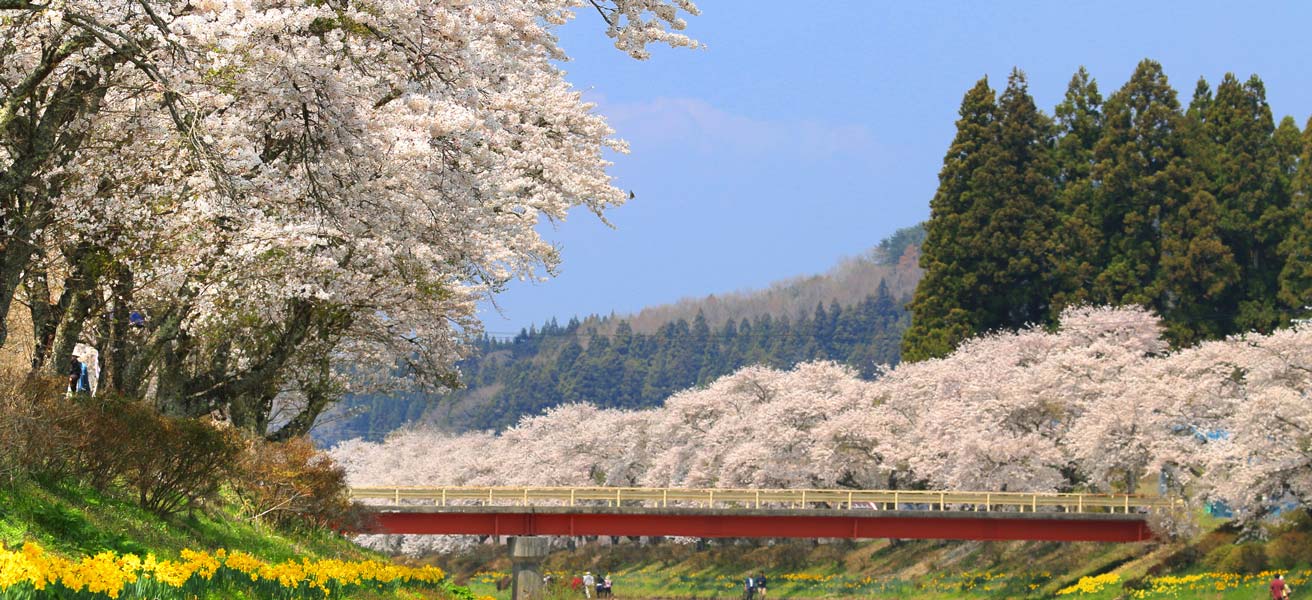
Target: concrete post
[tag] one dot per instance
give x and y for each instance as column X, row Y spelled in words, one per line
column 526, row 554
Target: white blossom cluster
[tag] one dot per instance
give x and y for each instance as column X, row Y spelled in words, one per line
column 388, row 160
column 1098, row 405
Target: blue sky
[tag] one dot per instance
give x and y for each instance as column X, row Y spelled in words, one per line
column 808, row 131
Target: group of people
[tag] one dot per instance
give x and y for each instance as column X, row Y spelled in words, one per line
column 754, row 587
column 84, row 370
column 84, row 367
column 589, row 583
column 1279, row 589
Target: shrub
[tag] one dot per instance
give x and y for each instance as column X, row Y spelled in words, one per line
column 1290, row 549
column 168, row 463
column 37, row 427
column 1243, row 558
column 292, row 480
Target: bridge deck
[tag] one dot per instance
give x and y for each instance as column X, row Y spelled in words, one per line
column 761, row 513
column 729, row 523
column 761, row 498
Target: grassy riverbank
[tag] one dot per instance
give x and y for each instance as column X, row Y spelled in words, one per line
column 107, row 498
column 1212, row 566
column 84, row 543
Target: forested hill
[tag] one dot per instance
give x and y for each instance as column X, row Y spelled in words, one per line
column 853, row 314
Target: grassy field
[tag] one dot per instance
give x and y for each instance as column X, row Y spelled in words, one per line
column 1215, row 565
column 90, row 537
column 80, row 521
column 648, row 582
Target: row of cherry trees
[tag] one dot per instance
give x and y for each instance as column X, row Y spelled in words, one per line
column 1098, row 404
column 285, row 188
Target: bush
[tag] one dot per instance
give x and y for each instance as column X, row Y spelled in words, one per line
column 168, row 463
column 292, row 480
column 1290, row 549
column 37, row 427
column 1243, row 558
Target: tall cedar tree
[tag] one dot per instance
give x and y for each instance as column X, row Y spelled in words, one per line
column 1296, row 250
column 1079, row 126
column 1198, row 268
column 1245, row 178
column 1019, row 246
column 940, row 319
column 1143, row 174
column 990, row 257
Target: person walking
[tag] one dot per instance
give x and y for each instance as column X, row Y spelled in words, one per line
column 588, row 582
column 90, row 359
column 605, row 585
column 760, row 585
column 74, row 375
column 749, row 588
column 1279, row 591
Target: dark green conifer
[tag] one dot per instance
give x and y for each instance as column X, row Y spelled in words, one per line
column 993, row 240
column 1245, row 178
column 1079, row 126
column 1019, row 242
column 1295, row 290
column 1141, row 171
column 940, row 320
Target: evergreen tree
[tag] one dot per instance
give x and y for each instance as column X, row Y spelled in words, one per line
column 1079, row 127
column 1197, row 267
column 940, row 318
column 819, row 332
column 1019, row 243
column 991, row 255
column 1245, row 178
column 1295, row 289
column 1142, row 174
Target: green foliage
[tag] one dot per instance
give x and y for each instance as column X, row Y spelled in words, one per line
column 1200, row 214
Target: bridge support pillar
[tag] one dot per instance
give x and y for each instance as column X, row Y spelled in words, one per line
column 526, row 554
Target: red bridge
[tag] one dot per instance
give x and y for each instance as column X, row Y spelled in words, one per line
column 724, row 513
column 528, row 515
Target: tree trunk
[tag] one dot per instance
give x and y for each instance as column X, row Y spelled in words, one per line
column 79, row 287
column 318, row 395
column 45, row 316
column 116, row 348
column 16, row 253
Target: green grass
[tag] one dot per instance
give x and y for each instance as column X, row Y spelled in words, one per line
column 925, row 569
column 76, row 520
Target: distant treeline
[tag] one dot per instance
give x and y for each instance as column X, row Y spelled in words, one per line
column 577, row 362
column 1200, row 212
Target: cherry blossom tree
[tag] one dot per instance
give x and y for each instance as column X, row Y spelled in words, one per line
column 291, row 186
column 1097, row 403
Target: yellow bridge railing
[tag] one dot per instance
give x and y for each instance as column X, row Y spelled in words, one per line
column 792, row 499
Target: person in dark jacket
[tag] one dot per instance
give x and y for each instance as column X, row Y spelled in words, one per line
column 75, row 370
column 760, row 584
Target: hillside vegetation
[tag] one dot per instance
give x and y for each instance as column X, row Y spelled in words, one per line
column 853, row 315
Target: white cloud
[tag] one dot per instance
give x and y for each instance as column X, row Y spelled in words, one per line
column 697, row 125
